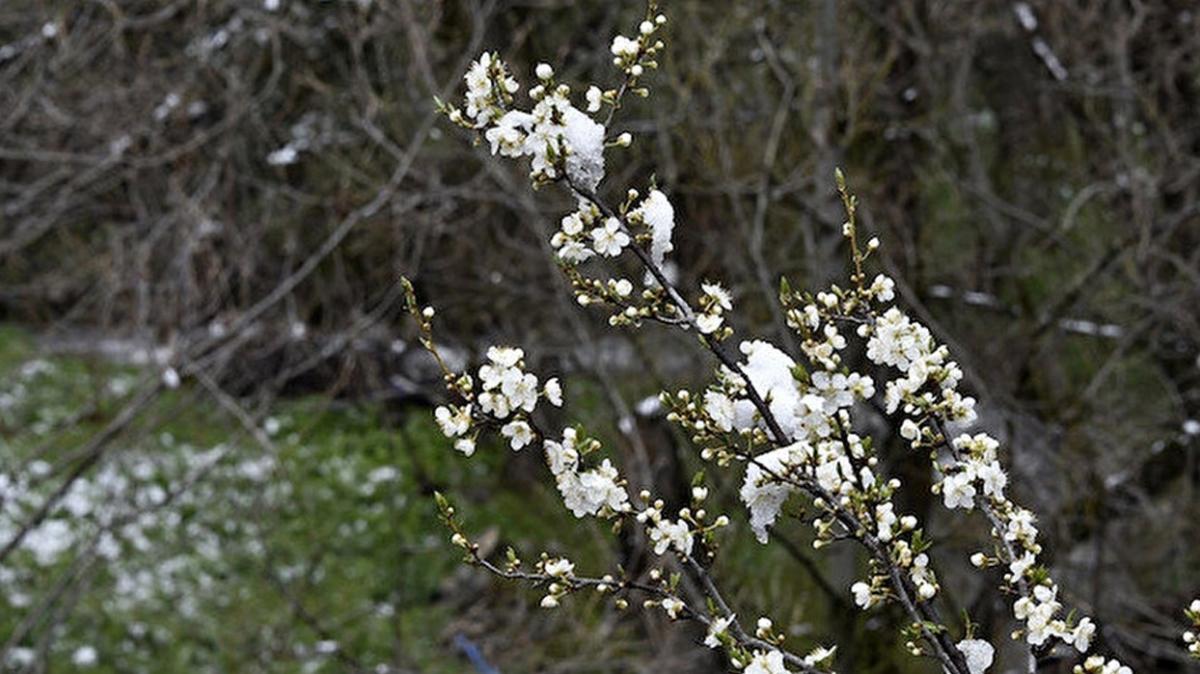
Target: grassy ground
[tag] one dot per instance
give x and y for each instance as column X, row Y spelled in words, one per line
column 192, row 547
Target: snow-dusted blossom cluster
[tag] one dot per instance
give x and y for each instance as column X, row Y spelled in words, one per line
column 657, row 215
column 560, row 140
column 826, row 458
column 566, row 144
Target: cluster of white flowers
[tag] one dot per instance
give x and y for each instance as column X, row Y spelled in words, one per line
column 971, row 474
column 713, row 304
column 977, row 467
column 837, row 463
column 908, row 346
column 489, row 91
column 665, row 533
column 1039, row 612
column 508, row 395
column 596, row 491
column 585, row 233
column 630, row 54
column 1096, row 664
column 1189, row 637
column 560, row 139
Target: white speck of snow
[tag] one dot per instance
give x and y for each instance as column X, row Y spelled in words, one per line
column 1025, row 16
column 648, row 406
column 1191, row 427
column 21, row 656
column 49, row 541
column 283, row 156
column 84, row 656
column 383, row 474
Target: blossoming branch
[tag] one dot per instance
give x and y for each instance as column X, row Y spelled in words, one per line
column 787, row 421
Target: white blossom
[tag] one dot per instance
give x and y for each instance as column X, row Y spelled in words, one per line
column 586, row 493
column 766, row 662
column 609, row 239
column 518, row 433
column 718, row 294
column 594, row 97
column 676, row 535
column 958, row 491
column 454, row 421
column 897, row 341
column 553, row 392
column 993, row 478
column 863, row 596
column 562, row 456
column 716, row 629
column 623, row 47
column 465, row 445
column 508, row 136
column 521, row 390
column 1081, row 636
column 709, row 323
column 559, row 568
column 673, row 607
